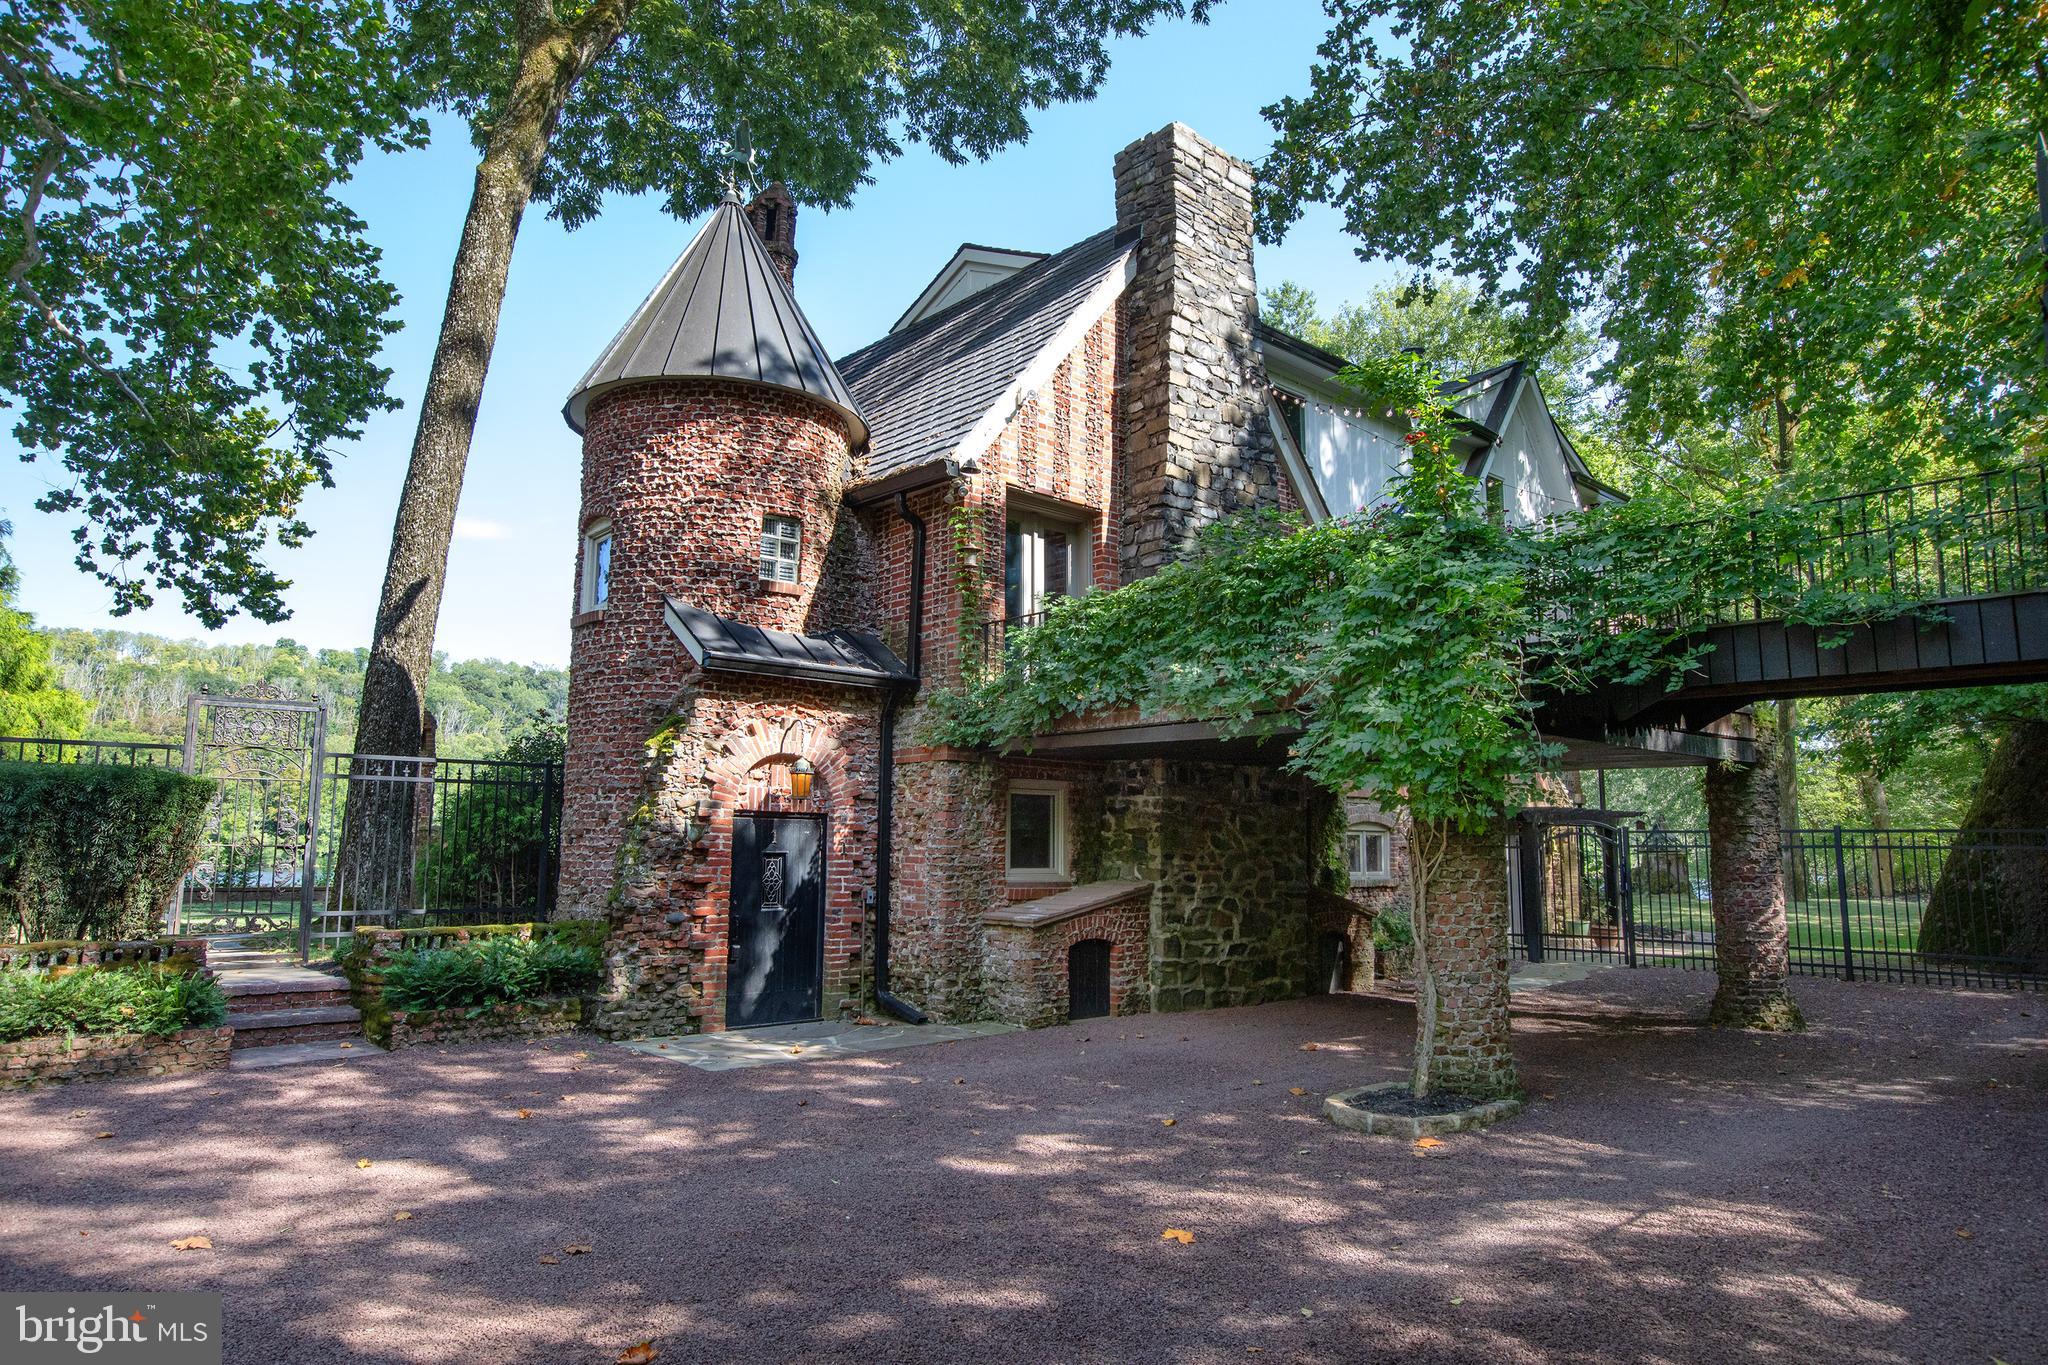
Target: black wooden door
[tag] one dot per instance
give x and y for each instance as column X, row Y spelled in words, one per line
column 776, row 954
column 1088, row 979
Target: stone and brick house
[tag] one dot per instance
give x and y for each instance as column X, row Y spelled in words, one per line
column 783, row 553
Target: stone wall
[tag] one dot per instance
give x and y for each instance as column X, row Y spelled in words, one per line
column 1197, row 445
column 498, row 1023
column 57, row 956
column 1026, row 960
column 98, row 1056
column 1227, row 850
column 949, row 869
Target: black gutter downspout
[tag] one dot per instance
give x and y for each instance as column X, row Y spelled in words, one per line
column 885, row 794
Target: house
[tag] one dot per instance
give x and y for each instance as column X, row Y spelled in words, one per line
column 783, row 554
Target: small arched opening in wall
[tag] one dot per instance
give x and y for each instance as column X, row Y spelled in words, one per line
column 1088, row 979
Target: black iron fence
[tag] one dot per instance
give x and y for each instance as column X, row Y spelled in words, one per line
column 127, row 753
column 1942, row 906
column 995, row 636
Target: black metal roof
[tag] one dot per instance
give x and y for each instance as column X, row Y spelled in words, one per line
column 849, row 658
column 924, row 388
column 722, row 312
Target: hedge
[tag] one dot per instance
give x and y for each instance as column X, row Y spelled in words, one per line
column 95, row 851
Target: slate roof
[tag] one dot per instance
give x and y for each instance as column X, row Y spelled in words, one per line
column 722, row 312
column 925, row 387
column 722, row 645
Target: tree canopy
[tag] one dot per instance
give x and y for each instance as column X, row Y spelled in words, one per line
column 1814, row 223
column 32, row 700
column 190, row 318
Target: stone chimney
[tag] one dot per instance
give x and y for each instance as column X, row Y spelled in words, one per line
column 773, row 214
column 1197, row 445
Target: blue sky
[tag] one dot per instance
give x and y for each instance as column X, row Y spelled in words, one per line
column 508, row 592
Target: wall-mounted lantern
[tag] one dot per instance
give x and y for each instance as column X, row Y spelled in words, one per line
column 800, row 774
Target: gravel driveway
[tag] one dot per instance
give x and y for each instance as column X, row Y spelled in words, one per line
column 1873, row 1190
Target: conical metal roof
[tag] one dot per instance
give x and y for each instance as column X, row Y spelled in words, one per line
column 722, row 312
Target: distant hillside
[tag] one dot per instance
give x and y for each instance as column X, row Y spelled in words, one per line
column 137, row 686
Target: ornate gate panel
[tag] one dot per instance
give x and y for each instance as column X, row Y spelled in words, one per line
column 256, row 863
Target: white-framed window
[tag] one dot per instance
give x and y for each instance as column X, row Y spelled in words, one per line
column 1036, row 842
column 1043, row 558
column 782, row 548
column 1367, row 850
column 597, row 565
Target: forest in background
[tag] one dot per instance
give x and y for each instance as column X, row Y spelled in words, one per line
column 136, row 686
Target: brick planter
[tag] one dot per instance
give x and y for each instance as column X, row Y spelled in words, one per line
column 487, row 1024
column 96, row 1056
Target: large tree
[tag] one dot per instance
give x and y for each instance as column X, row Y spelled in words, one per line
column 32, row 700
column 572, row 100
column 189, row 319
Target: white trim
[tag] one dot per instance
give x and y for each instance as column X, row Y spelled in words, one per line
column 1306, row 487
column 1059, row 871
column 968, row 257
column 599, row 529
column 1085, row 315
column 1363, row 830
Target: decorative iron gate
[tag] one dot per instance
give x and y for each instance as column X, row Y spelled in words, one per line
column 255, row 869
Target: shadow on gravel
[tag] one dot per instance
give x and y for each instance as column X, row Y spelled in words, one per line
column 1673, row 1192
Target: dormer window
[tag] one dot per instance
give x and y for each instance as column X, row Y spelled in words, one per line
column 782, row 549
column 597, row 565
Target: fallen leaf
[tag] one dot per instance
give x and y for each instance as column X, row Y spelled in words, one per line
column 801, row 1103
column 401, row 1217
column 1256, row 1083
column 1296, row 1090
column 97, row 1136
column 1548, row 1096
column 1456, row 1302
column 348, row 1045
column 1168, row 1123
column 795, row 1051
column 959, row 1080
column 362, row 1163
column 576, row 1249
column 526, row 1113
column 550, row 1260
column 1311, row 1047
column 1426, row 1143
column 639, row 1353
column 196, row 1242
column 1964, row 1233
column 1181, row 1235
column 80, row 1113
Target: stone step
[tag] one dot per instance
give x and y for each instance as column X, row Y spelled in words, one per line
column 267, row 1028
column 298, row 1054
column 257, row 1002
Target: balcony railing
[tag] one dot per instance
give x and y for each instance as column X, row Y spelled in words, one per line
column 995, row 637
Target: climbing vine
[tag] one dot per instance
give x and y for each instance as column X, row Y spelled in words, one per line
column 963, row 523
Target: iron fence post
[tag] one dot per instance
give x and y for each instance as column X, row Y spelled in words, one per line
column 1628, row 898
column 1842, row 898
column 311, row 870
column 544, row 893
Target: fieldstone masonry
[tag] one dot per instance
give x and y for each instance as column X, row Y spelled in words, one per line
column 97, row 1056
column 1196, row 441
column 1027, row 947
column 1748, row 880
column 1465, row 934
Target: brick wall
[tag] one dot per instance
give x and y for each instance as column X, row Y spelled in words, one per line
column 1747, row 874
column 1466, row 935
column 1197, row 445
column 97, row 1056
column 684, row 470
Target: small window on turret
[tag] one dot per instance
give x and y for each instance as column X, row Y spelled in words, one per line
column 597, row 565
column 782, row 545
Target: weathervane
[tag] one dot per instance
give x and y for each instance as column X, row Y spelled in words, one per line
column 739, row 162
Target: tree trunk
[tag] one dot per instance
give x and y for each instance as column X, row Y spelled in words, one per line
column 392, row 713
column 1787, row 763
column 1991, row 900
column 1877, row 809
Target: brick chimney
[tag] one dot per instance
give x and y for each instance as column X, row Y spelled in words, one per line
column 773, row 214
column 1197, row 445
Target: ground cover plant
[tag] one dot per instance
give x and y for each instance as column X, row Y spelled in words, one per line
column 150, row 1000
column 492, row 971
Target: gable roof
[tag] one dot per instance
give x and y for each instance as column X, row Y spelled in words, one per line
column 973, row 268
column 925, row 389
column 723, row 311
column 1486, row 398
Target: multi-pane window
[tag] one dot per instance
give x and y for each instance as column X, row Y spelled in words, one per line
column 597, row 565
column 1042, row 559
column 782, row 547
column 1497, row 499
column 1365, row 854
column 1037, row 832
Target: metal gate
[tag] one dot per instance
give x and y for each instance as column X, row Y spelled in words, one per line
column 256, row 859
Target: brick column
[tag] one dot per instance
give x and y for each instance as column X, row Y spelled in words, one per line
column 1748, row 879
column 1465, row 935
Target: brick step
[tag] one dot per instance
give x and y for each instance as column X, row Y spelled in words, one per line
column 267, row 1028
column 256, row 1002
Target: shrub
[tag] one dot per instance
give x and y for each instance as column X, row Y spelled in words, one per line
column 108, row 1000
column 91, row 851
column 1392, row 930
column 488, row 972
